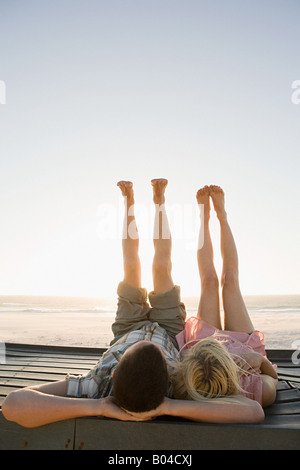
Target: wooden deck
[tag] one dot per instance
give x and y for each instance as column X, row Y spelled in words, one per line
column 27, row 365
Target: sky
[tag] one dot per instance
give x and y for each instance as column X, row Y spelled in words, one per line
column 196, row 91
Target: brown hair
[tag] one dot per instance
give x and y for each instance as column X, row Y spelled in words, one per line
column 141, row 379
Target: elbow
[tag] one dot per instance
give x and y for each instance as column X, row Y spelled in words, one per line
column 269, row 391
column 12, row 408
column 9, row 407
column 257, row 415
column 251, row 413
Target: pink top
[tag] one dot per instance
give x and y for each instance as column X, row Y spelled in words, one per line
column 237, row 343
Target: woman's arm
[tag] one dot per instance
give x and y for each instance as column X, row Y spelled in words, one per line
column 254, row 361
column 267, row 368
column 257, row 363
column 234, row 409
column 36, row 406
column 269, row 389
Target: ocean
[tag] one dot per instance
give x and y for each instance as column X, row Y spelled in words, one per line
column 84, row 321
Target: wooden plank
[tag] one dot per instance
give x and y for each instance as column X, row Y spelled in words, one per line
column 2, row 398
column 5, row 389
column 280, row 354
column 50, row 360
column 275, row 354
column 54, row 370
column 57, row 436
column 284, row 409
column 283, row 385
column 32, row 375
column 15, row 382
column 39, row 365
column 288, row 395
column 104, row 434
column 287, row 364
column 282, row 421
column 291, row 372
column 65, row 349
column 31, row 360
column 34, row 365
column 295, row 384
column 161, row 434
column 54, row 350
column 289, row 378
column 12, row 354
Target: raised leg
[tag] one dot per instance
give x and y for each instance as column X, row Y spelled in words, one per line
column 236, row 317
column 209, row 304
column 162, row 265
column 130, row 240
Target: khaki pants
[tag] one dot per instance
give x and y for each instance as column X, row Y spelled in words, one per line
column 134, row 311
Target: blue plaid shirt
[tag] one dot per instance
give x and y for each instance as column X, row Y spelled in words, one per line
column 98, row 382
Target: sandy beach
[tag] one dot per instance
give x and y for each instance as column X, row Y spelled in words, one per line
column 67, row 329
column 94, row 329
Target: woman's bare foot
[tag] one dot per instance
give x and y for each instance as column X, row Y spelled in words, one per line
column 218, row 198
column 202, row 197
column 159, row 186
column 127, row 191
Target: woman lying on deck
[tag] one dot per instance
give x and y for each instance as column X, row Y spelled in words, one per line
column 216, row 363
column 134, row 379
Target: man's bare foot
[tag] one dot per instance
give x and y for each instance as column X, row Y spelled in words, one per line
column 202, row 197
column 159, row 186
column 218, row 198
column 127, row 191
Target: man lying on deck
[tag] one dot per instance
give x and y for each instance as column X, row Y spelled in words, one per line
column 131, row 381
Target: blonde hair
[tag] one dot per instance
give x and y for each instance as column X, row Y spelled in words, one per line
column 206, row 371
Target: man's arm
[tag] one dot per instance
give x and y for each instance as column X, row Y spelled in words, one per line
column 44, row 404
column 31, row 407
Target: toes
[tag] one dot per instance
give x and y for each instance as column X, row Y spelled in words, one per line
column 126, row 187
column 203, row 191
column 202, row 195
column 161, row 182
column 123, row 184
column 215, row 189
